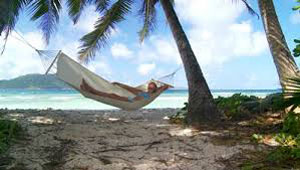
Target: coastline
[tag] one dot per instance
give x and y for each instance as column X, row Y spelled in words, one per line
column 115, row 140
column 71, row 99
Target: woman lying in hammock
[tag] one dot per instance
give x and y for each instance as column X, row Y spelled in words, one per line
column 140, row 95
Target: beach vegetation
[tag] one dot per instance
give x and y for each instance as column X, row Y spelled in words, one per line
column 9, row 130
column 297, row 7
column 287, row 137
column 286, row 154
column 240, row 107
column 287, row 150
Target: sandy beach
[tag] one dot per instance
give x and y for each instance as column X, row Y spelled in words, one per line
column 117, row 140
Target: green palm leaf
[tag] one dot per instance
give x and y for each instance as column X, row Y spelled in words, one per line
column 148, row 12
column 101, row 5
column 47, row 12
column 75, row 8
column 99, row 36
column 9, row 13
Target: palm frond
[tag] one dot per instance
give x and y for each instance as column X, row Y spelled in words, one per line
column 9, row 13
column 97, row 39
column 248, row 7
column 172, row 2
column 101, row 5
column 291, row 92
column 75, row 8
column 47, row 12
column 148, row 12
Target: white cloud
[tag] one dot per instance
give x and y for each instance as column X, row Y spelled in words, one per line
column 295, row 18
column 120, row 51
column 145, row 69
column 247, row 42
column 19, row 58
column 208, row 13
column 87, row 20
column 159, row 48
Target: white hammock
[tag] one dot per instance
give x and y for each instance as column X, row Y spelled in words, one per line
column 73, row 73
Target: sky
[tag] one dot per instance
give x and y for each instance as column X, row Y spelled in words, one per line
column 229, row 43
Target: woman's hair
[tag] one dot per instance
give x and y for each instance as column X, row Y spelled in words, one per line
column 152, row 86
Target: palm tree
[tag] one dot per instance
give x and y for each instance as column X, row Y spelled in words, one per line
column 201, row 106
column 282, row 56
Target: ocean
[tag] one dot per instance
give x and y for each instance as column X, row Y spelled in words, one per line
column 71, row 99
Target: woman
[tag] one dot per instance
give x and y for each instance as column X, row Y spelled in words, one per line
column 139, row 94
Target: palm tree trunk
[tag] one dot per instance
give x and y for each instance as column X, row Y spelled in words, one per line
column 283, row 59
column 201, row 106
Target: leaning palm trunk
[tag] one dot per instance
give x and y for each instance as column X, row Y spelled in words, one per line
column 283, row 59
column 201, row 106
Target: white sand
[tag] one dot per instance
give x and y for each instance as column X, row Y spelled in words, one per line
column 113, row 140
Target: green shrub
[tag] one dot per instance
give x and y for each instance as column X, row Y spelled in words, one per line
column 291, row 124
column 273, row 102
column 238, row 105
column 286, row 139
column 8, row 131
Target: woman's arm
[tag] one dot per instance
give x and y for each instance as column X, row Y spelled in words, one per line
column 160, row 89
column 163, row 88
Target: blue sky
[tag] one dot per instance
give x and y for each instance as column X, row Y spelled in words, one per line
column 229, row 43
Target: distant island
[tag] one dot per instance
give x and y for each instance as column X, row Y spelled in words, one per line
column 34, row 81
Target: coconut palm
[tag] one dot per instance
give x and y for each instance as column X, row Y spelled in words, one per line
column 201, row 106
column 282, row 56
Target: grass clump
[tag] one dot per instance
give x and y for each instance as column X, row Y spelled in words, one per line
column 9, row 130
column 291, row 124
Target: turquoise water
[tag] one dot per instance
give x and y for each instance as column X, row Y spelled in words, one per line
column 70, row 99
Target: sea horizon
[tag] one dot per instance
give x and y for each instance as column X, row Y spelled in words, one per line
column 71, row 99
